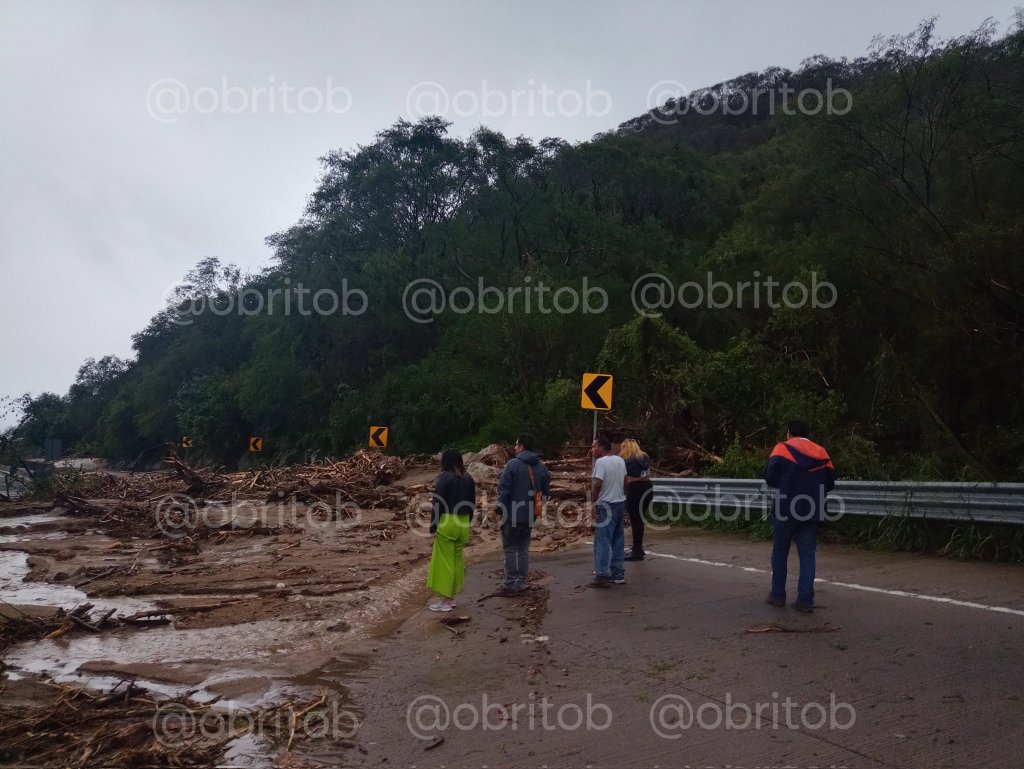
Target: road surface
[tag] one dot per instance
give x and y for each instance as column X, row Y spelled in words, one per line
column 909, row 661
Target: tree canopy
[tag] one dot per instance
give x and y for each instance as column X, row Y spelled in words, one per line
column 907, row 200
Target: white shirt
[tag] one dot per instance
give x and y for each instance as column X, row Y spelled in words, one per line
column 611, row 471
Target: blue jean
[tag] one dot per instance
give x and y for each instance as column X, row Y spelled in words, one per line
column 806, row 536
column 515, row 539
column 609, row 541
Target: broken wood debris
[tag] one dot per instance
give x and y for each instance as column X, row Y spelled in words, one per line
column 826, row 628
column 22, row 627
column 126, row 726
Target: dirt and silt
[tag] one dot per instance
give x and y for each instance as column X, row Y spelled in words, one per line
column 184, row 617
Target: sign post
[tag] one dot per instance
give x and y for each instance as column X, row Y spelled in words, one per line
column 596, row 395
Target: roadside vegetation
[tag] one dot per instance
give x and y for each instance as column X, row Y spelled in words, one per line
column 908, row 203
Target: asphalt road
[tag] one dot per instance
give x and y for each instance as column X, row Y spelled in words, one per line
column 909, row 661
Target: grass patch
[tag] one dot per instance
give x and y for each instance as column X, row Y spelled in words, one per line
column 728, row 520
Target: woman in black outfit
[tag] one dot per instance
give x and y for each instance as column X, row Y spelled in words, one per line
column 639, row 493
column 454, row 507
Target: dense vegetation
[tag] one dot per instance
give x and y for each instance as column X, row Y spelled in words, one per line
column 909, row 203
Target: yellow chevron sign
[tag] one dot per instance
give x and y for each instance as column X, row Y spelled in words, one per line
column 596, row 392
column 378, row 437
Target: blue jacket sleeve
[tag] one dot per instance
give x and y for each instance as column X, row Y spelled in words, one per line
column 505, row 490
column 772, row 471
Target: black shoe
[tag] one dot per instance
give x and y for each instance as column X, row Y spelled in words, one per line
column 600, row 582
column 634, row 556
column 802, row 607
column 775, row 601
column 506, row 592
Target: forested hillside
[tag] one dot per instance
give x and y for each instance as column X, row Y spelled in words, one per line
column 909, row 203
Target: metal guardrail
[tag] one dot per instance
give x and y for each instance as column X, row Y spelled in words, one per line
column 942, row 501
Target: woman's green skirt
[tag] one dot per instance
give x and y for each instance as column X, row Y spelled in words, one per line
column 447, row 569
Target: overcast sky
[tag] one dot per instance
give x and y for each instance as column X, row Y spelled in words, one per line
column 139, row 137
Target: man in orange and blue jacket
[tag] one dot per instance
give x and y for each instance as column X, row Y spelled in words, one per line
column 803, row 474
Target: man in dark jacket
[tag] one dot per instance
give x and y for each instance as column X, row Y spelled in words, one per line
column 803, row 474
column 516, row 489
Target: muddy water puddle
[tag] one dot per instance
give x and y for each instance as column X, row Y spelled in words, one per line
column 238, row 669
column 33, row 526
column 29, row 520
column 245, row 663
column 285, row 644
column 15, row 590
column 243, row 668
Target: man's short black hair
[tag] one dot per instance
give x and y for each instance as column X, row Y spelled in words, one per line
column 603, row 441
column 526, row 441
column 799, row 429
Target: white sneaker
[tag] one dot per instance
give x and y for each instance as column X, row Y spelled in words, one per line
column 439, row 605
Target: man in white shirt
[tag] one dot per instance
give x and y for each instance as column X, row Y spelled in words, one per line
column 608, row 497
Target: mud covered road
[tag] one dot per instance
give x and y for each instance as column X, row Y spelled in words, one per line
column 271, row 587
column 296, row 636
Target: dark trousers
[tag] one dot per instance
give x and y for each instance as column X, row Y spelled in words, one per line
column 515, row 539
column 805, row 534
column 639, row 495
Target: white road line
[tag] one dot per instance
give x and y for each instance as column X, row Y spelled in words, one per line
column 851, row 585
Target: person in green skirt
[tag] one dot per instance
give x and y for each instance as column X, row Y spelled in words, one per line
column 454, row 508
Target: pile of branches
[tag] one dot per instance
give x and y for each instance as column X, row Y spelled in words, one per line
column 21, row 627
column 124, row 727
column 114, row 728
column 137, row 505
column 16, row 626
column 119, row 517
column 169, row 515
column 359, row 475
column 136, row 487
column 359, row 478
column 362, row 479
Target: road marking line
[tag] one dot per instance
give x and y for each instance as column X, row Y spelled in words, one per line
column 851, row 585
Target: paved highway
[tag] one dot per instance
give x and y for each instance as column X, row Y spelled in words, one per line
column 914, row 661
